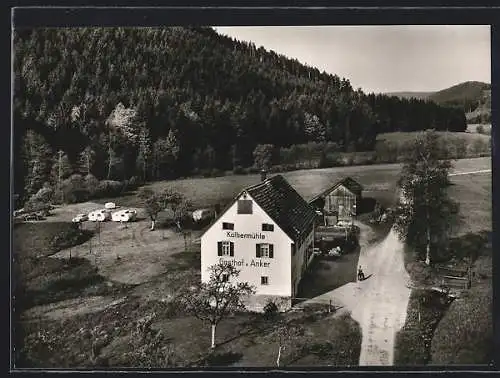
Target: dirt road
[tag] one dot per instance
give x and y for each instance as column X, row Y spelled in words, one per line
column 380, row 302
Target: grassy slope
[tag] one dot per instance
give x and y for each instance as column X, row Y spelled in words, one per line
column 464, row 334
column 68, row 342
column 379, row 181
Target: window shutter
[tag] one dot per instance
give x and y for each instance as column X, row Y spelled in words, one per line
column 219, row 248
column 257, row 250
column 231, row 249
column 271, row 251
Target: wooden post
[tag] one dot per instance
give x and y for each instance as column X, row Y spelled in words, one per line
column 329, row 305
column 418, row 307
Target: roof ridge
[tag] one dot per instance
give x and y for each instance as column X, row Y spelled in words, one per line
column 262, row 182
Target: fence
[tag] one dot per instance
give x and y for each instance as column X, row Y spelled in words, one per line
column 454, row 278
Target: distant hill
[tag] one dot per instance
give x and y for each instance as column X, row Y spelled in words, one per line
column 465, row 94
column 474, row 97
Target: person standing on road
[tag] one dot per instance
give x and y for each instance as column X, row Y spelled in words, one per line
column 361, row 275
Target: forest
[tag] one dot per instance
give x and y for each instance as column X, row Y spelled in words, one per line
column 163, row 103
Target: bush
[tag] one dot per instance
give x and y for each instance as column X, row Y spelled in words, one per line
column 69, row 238
column 252, row 169
column 238, row 170
column 74, row 189
column 465, row 334
column 413, row 342
column 277, row 169
column 270, row 310
column 35, row 205
column 44, row 195
column 109, row 188
column 215, row 172
column 91, row 183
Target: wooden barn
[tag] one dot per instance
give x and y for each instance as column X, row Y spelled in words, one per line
column 339, row 202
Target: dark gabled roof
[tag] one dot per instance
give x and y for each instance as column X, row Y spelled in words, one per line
column 282, row 203
column 348, row 182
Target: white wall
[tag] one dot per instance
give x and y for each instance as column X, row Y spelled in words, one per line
column 298, row 259
column 278, row 271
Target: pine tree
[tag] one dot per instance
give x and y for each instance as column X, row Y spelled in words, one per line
column 173, row 150
column 61, row 170
column 87, row 160
column 37, row 154
column 144, row 154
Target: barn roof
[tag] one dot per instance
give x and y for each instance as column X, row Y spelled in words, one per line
column 351, row 184
column 282, row 203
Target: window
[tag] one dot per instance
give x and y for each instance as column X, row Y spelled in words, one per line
column 267, row 227
column 227, row 226
column 225, row 248
column 264, row 250
column 264, row 280
column 225, row 278
column 244, row 206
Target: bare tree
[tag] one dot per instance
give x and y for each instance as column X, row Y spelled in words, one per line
column 214, row 300
column 285, row 335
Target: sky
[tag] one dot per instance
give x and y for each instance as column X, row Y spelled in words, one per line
column 383, row 58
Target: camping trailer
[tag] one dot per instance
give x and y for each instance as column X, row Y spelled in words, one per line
column 93, row 216
column 103, row 215
column 201, row 215
column 128, row 215
column 110, row 205
column 117, row 216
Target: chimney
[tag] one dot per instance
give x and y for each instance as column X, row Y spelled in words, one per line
column 263, row 175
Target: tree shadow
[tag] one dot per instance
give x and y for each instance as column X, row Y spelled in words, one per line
column 366, row 205
column 222, row 358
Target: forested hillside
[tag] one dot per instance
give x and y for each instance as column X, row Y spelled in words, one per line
column 474, row 97
column 467, row 95
column 163, row 103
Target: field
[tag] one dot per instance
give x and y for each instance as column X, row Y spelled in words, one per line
column 448, row 137
column 135, row 271
column 472, row 128
column 462, row 333
column 379, row 181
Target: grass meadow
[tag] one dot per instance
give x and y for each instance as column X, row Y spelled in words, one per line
column 91, row 323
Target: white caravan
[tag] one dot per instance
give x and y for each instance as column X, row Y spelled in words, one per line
column 117, row 216
column 128, row 215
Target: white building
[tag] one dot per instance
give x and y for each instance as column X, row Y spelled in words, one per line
column 267, row 232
